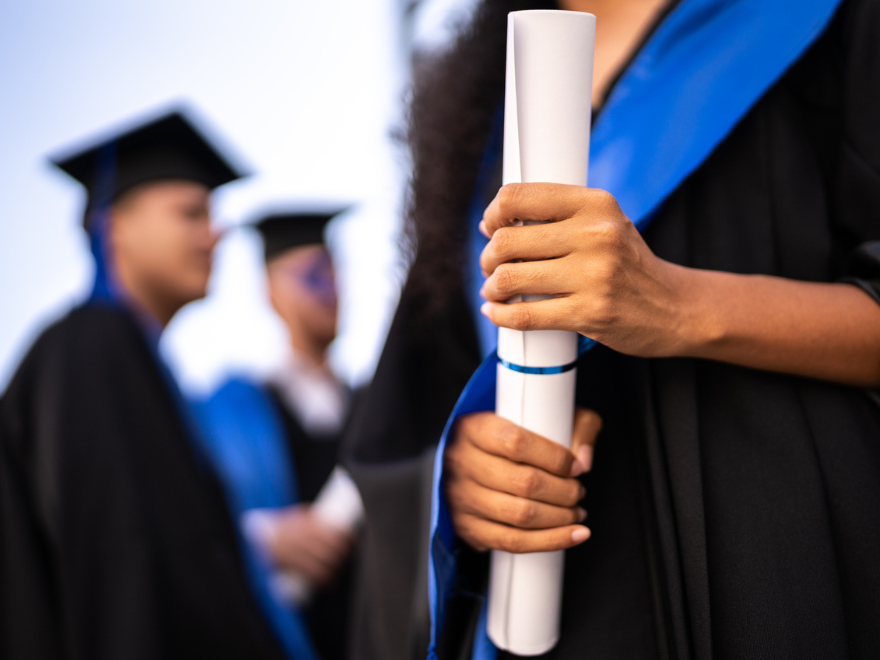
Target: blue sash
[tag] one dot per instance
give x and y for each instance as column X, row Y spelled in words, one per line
column 700, row 72
column 244, row 436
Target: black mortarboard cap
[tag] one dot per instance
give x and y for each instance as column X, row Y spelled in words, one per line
column 283, row 231
column 169, row 147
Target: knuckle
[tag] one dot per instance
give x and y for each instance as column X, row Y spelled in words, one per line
column 526, row 482
column 509, row 198
column 607, row 233
column 502, row 241
column 574, row 494
column 522, row 318
column 512, row 439
column 563, row 463
column 511, row 541
column 604, row 200
column 519, row 512
column 505, row 280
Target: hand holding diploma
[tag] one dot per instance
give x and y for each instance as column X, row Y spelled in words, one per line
column 605, row 281
column 511, row 489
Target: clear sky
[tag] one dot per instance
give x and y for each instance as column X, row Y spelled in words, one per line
column 304, row 94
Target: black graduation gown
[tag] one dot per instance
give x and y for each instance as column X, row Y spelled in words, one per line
column 115, row 541
column 314, row 459
column 734, row 511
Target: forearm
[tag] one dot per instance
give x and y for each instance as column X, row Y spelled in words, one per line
column 818, row 330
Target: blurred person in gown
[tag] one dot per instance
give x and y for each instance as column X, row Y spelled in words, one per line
column 728, row 273
column 276, row 444
column 115, row 537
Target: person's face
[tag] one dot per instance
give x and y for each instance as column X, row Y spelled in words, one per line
column 162, row 236
column 302, row 289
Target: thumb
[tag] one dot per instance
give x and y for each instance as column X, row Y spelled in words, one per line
column 587, row 425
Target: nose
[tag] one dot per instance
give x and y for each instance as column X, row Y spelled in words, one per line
column 215, row 235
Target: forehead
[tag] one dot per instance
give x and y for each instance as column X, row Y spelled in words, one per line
column 296, row 256
column 167, row 190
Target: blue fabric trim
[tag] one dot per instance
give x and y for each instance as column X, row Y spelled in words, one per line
column 243, row 435
column 538, row 371
column 669, row 111
column 103, row 286
column 487, row 332
column 701, row 71
column 478, row 396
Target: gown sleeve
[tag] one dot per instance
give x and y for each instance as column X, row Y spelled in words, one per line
column 858, row 184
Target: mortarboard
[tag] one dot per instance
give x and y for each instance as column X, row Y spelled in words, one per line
column 282, row 231
column 169, row 147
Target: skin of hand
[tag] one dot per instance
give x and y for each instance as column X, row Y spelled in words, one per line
column 304, row 544
column 607, row 284
column 510, row 489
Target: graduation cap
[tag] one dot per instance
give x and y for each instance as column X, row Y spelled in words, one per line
column 283, row 231
column 169, row 147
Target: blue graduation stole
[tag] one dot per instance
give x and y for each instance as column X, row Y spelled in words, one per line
column 244, row 436
column 699, row 73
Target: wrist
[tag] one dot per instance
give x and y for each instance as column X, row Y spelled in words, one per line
column 699, row 325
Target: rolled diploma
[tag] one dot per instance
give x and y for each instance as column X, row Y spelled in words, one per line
column 338, row 504
column 547, row 116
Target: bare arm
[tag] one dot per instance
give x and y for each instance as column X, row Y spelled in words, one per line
column 608, row 285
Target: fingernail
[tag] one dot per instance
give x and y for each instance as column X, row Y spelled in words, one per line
column 582, row 514
column 577, row 468
column 580, row 535
column 582, row 492
column 585, row 456
column 483, row 229
column 484, row 309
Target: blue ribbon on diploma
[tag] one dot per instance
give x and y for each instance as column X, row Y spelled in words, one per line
column 537, row 371
column 696, row 77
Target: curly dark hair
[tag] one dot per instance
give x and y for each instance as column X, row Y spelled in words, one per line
column 455, row 97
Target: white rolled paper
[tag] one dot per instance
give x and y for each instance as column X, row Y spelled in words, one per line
column 547, row 112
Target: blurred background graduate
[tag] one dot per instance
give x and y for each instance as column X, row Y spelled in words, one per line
column 276, row 444
column 116, row 539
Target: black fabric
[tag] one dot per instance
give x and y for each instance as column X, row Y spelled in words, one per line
column 389, row 452
column 168, row 147
column 863, row 269
column 314, row 457
column 327, row 615
column 283, row 231
column 115, row 541
column 733, row 510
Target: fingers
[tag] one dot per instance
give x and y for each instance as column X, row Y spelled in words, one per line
column 484, row 534
column 550, row 314
column 532, row 243
column 514, row 511
column 500, row 498
column 587, row 425
column 523, row 481
column 543, row 277
column 305, row 544
column 303, row 555
column 501, row 437
column 543, row 201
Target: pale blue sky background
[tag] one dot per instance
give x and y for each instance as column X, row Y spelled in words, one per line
column 304, row 93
